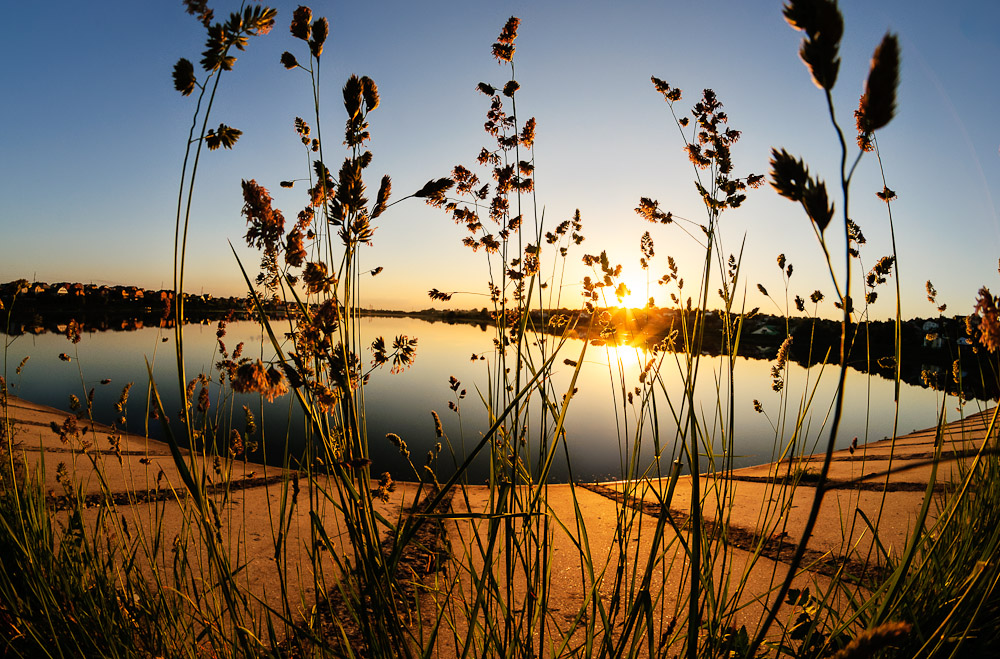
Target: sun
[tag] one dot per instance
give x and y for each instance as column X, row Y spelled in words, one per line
column 633, row 294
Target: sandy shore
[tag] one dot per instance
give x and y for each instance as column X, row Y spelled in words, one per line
column 763, row 521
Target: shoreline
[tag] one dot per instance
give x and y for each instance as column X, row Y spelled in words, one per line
column 146, row 487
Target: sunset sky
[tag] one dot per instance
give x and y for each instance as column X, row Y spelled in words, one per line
column 94, row 133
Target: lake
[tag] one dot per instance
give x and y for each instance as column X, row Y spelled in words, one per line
column 401, row 403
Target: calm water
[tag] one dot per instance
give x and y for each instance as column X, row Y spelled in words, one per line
column 401, row 403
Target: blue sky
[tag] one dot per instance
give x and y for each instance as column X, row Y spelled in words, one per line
column 93, row 136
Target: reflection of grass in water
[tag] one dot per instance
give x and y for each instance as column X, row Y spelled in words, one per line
column 471, row 570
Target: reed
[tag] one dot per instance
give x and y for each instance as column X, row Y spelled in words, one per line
column 516, row 568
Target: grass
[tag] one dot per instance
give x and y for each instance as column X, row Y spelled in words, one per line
column 515, row 569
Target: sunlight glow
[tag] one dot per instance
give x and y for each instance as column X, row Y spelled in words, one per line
column 634, row 295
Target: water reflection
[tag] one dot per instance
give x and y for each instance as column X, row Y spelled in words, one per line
column 602, row 426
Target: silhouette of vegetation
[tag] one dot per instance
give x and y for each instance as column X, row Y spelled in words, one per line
column 511, row 569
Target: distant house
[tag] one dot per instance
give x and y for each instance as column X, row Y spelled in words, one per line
column 766, row 330
column 930, row 326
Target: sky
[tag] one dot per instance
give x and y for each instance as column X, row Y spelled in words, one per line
column 92, row 136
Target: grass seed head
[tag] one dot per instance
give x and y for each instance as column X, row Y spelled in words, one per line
column 199, row 9
column 878, row 102
column 823, row 26
column 503, row 50
column 870, row 641
column 184, row 80
column 301, row 19
column 989, row 320
column 369, row 92
column 320, row 30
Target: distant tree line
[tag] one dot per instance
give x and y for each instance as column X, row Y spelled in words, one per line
column 34, row 308
column 935, row 352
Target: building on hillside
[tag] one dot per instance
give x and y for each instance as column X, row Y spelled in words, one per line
column 766, row 330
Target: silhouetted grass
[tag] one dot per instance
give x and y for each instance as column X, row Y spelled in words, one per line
column 517, row 568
